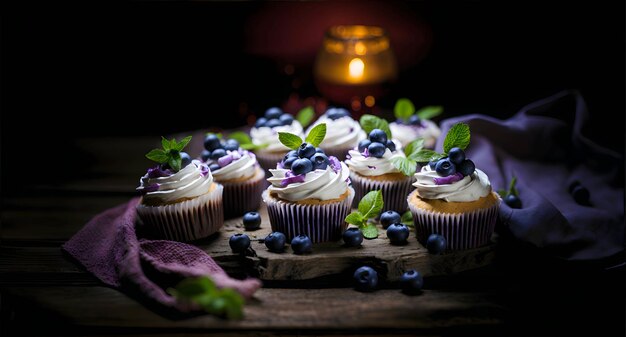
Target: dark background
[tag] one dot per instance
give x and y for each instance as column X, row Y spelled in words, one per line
column 150, row 68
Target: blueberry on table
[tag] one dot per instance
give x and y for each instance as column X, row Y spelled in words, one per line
column 231, row 145
column 378, row 135
column 260, row 122
column 251, row 221
column 415, row 120
column 286, row 119
column 301, row 244
column 466, row 168
column 275, row 242
column 376, row 149
column 445, row 167
column 364, row 144
column 366, row 279
column 185, row 159
column 239, row 243
column 272, row 123
column 411, row 282
column 306, row 150
column 211, row 142
column 436, row 244
column 217, row 154
column 513, row 201
column 301, row 166
column 456, row 155
column 273, row 113
column 391, row 145
column 397, row 233
column 352, row 237
column 581, row 195
column 205, row 155
column 389, row 217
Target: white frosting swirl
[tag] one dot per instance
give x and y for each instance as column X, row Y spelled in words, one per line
column 266, row 135
column 240, row 168
column 470, row 188
column 372, row 166
column 192, row 181
column 343, row 132
column 318, row 184
column 408, row 133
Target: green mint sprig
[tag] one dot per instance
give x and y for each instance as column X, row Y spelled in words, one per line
column 245, row 142
column 315, row 137
column 305, row 116
column 404, row 109
column 407, row 219
column 369, row 208
column 223, row 302
column 512, row 190
column 429, row 112
column 408, row 165
column 170, row 153
column 371, row 122
column 457, row 136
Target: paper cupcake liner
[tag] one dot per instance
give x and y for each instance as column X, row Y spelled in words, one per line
column 394, row 191
column 244, row 196
column 321, row 223
column 188, row 220
column 268, row 160
column 461, row 230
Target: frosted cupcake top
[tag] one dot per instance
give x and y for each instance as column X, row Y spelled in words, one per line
column 411, row 124
column 341, row 130
column 160, row 186
column 365, row 164
column 226, row 159
column 470, row 188
column 266, row 129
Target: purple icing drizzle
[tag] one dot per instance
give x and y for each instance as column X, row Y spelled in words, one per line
column 150, row 188
column 371, row 167
column 156, row 172
column 366, row 153
column 453, row 178
column 204, row 170
column 291, row 178
column 225, row 160
column 335, row 164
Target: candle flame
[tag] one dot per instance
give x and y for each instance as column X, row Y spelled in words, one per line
column 356, row 68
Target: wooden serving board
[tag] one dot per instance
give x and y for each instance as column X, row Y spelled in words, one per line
column 333, row 260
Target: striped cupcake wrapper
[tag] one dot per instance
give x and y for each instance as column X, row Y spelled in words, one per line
column 394, row 192
column 461, row 230
column 185, row 221
column 268, row 160
column 242, row 197
column 321, row 223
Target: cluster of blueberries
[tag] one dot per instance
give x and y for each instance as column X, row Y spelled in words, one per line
column 413, row 120
column 305, row 159
column 366, row 279
column 453, row 163
column 376, row 144
column 274, row 117
column 214, row 149
column 336, row 113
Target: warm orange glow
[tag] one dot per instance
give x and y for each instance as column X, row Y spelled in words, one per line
column 360, row 48
column 356, row 67
column 370, row 101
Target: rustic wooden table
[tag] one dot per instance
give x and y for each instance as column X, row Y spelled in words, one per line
column 44, row 293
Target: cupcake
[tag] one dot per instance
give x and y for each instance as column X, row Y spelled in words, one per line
column 454, row 199
column 264, row 135
column 342, row 134
column 309, row 192
column 238, row 171
column 410, row 125
column 180, row 201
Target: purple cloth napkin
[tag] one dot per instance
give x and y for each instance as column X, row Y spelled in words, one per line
column 543, row 145
column 108, row 247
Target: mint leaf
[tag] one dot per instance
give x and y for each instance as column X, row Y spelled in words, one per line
column 512, row 188
column 428, row 112
column 202, row 291
column 369, row 231
column 407, row 219
column 289, row 140
column 158, row 156
column 252, row 146
column 165, row 143
column 371, row 122
column 371, row 204
column 404, row 165
column 316, row 135
column 175, row 162
column 180, row 145
column 218, row 135
column 240, row 137
column 502, row 193
column 426, row 155
column 403, row 109
column 414, row 147
column 355, row 218
column 458, row 136
column 305, row 116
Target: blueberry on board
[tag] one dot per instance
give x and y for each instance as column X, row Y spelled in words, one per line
column 411, row 282
column 239, row 243
column 251, row 221
column 320, row 161
column 364, row 144
column 275, row 242
column 513, row 201
column 260, row 122
column 366, row 279
column 286, row 119
column 436, row 244
column 214, row 167
column 272, row 123
column 287, row 163
column 231, row 145
column 306, row 150
column 445, row 167
column 466, row 168
column 581, row 195
column 301, row 166
column 205, row 155
column 389, row 217
column 376, row 149
column 378, row 135
column 415, row 120
column 352, row 237
column 397, row 233
column 185, row 159
column 217, row 154
column 456, row 155
column 301, row 244
column 211, row 142
column 391, row 145
column 273, row 113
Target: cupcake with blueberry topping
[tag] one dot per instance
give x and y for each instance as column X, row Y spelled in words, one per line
column 343, row 133
column 237, row 170
column 264, row 135
column 452, row 197
column 410, row 124
column 180, row 201
column 309, row 192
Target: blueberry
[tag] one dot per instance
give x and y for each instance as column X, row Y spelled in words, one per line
column 306, row 150
column 352, row 237
column 214, row 167
column 401, row 121
column 301, row 244
column 185, row 159
column 466, row 168
column 231, row 145
column 286, row 119
column 239, row 243
column 581, row 195
column 513, row 201
column 397, row 233
column 320, row 161
column 391, row 145
column 445, row 167
column 205, row 155
column 456, row 155
column 376, row 149
column 251, row 221
column 379, row 136
column 436, row 244
column 301, row 166
column 415, row 120
column 411, row 282
column 366, row 279
column 319, row 150
column 275, row 242
column 211, row 142
column 272, row 123
column 273, row 113
column 287, row 163
column 389, row 217
column 433, row 164
column 260, row 122
column 217, row 154
column 364, row 144
column 336, row 113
